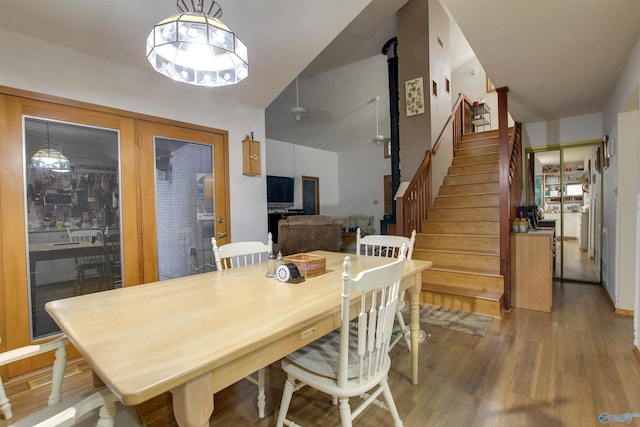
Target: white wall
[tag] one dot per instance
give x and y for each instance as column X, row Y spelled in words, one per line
column 471, row 79
column 439, row 68
column 626, row 159
column 45, row 68
column 623, row 129
column 565, row 130
column 361, row 171
column 285, row 159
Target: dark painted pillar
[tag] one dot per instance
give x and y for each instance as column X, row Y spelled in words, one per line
column 390, row 49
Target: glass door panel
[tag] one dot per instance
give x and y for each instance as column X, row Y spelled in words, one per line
column 189, row 203
column 567, row 205
column 73, row 214
column 185, row 212
column 577, row 264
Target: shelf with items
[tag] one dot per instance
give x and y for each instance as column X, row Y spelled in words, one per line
column 480, row 115
column 555, row 186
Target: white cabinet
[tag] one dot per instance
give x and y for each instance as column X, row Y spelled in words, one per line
column 570, row 223
column 59, row 270
column 583, row 230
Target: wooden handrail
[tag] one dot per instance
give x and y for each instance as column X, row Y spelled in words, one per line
column 413, row 205
column 459, row 116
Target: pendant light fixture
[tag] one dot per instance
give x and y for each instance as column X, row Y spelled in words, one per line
column 298, row 112
column 195, row 47
column 378, row 139
column 50, row 159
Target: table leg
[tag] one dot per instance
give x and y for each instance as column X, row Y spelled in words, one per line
column 414, row 305
column 193, row 402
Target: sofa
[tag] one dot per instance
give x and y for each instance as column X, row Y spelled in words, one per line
column 305, row 233
column 364, row 222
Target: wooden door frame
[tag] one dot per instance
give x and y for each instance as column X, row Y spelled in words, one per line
column 14, row 104
column 147, row 131
column 317, row 181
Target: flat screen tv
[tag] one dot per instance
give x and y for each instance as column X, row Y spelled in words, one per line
column 279, row 191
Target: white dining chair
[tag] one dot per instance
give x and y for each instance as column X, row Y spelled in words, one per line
column 98, row 405
column 352, row 361
column 389, row 246
column 234, row 255
column 86, row 263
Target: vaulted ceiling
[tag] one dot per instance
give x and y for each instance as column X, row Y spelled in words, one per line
column 558, row 58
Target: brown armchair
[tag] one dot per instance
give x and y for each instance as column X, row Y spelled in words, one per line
column 305, row 233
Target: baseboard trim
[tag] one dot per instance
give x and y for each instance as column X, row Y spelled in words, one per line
column 623, row 312
column 636, row 354
column 612, row 306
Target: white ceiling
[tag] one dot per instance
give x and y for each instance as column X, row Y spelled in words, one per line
column 558, row 58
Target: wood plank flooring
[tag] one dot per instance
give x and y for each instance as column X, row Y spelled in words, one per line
column 562, row 368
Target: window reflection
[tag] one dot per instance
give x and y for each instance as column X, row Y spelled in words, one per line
column 72, row 176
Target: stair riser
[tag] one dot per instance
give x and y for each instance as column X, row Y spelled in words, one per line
column 478, row 142
column 488, row 264
column 470, row 160
column 474, row 151
column 480, row 167
column 469, row 304
column 483, row 228
column 478, row 282
column 483, row 200
column 464, row 214
column 489, row 244
column 476, row 138
column 471, row 178
column 489, row 187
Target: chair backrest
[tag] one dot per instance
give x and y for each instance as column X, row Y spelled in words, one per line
column 384, row 245
column 237, row 254
column 378, row 290
column 82, row 235
column 89, row 236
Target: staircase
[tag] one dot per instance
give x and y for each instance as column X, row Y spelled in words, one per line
column 462, row 236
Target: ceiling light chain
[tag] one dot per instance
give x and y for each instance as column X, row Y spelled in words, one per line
column 195, row 47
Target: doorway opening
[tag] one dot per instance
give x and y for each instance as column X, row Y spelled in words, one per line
column 311, row 195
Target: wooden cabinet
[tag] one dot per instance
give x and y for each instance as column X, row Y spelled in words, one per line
column 532, row 269
column 250, row 156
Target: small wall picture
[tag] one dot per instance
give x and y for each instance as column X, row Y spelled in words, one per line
column 414, row 96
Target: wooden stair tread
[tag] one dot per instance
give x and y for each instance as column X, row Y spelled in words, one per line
column 470, row 173
column 470, row 273
column 460, row 207
column 455, row 290
column 473, row 183
column 468, row 195
column 476, row 147
column 472, row 236
column 458, row 251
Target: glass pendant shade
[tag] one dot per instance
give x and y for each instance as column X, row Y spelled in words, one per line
column 48, row 158
column 195, row 48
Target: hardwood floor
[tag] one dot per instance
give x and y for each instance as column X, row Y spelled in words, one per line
column 562, row 368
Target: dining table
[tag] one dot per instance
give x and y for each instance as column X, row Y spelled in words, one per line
column 195, row 335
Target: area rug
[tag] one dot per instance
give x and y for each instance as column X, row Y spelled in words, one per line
column 456, row 320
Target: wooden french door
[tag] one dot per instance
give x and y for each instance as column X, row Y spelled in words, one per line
column 136, row 199
column 185, row 199
column 16, row 325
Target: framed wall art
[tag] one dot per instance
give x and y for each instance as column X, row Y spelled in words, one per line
column 414, row 93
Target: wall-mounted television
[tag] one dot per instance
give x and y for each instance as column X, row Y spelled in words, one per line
column 279, row 191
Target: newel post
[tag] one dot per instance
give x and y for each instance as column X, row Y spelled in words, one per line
column 505, row 204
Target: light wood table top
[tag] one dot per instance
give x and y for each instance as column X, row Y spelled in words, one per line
column 195, row 335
